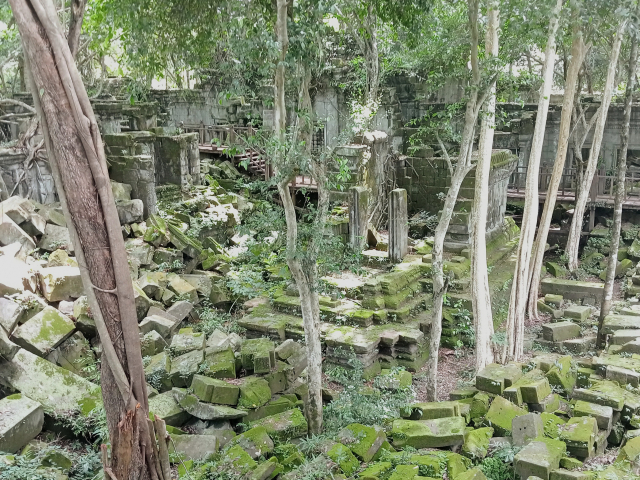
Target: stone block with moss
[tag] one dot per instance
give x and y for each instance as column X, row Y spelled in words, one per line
column 501, row 414
column 375, row 471
column 184, row 367
column 602, row 414
column 254, row 392
column 476, row 443
column 432, row 410
column 214, row 390
column 579, row 434
column 256, row 442
column 258, row 355
column 442, row 432
column 238, row 460
column 494, row 378
column 341, row 455
column 562, row 375
column 480, row 405
column 219, row 363
column 284, row 426
column 364, row 441
column 539, row 458
column 44, row 331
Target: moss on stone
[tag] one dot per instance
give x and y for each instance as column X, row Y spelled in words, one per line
column 342, row 456
column 501, row 415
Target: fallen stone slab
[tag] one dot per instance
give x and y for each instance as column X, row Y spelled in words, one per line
column 476, row 443
column 612, row 323
column 219, row 363
column 55, row 237
column 214, row 390
column 629, row 456
column 620, row 337
column 572, row 289
column 526, row 428
column 623, row 376
column 560, row 331
column 161, row 324
column 9, row 314
column 579, row 435
column 180, row 310
column 539, row 458
column 60, row 283
column 7, row 348
column 74, row 354
column 288, row 425
column 10, row 233
column 21, row 421
column 194, row 447
column 535, row 391
column 14, row 275
column 256, row 442
column 364, row 441
column 59, row 391
column 494, row 378
column 184, row 367
column 258, row 355
column 205, row 411
column 437, row 433
column 130, row 211
column 166, row 407
column 602, row 414
column 501, row 414
column 186, row 340
column 578, row 312
column 44, row 332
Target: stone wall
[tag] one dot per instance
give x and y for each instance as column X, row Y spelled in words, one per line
column 177, row 159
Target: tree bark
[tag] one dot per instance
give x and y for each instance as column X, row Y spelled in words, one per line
column 520, row 287
column 77, row 158
column 75, row 25
column 573, row 242
column 463, row 166
column 303, row 265
column 620, row 189
column 578, row 51
column 480, row 295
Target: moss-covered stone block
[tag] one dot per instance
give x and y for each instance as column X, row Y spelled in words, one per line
column 602, row 414
column 341, row 455
column 363, row 441
column 501, row 414
column 375, row 471
column 239, row 461
column 629, row 456
column 402, row 472
column 476, row 443
column 539, row 458
column 43, row 332
column 562, row 375
column 258, row 355
column 184, row 367
column 579, row 434
column 552, row 425
column 219, row 363
column 536, row 391
column 254, row 392
column 432, row 410
column 256, row 442
column 472, row 474
column 494, row 378
column 166, row 407
column 157, row 371
column 480, row 405
column 443, row 432
column 284, row 426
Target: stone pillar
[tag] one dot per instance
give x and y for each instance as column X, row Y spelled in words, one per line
column 398, row 225
column 358, row 207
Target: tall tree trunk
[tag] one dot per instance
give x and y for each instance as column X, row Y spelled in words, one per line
column 578, row 51
column 463, row 166
column 79, row 167
column 520, row 287
column 303, row 267
column 573, row 242
column 620, row 189
column 75, row 25
column 480, row 295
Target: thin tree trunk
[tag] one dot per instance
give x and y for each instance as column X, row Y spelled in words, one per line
column 573, row 242
column 77, row 158
column 520, row 286
column 75, row 25
column 578, row 50
column 480, row 295
column 620, row 190
column 303, row 269
column 463, row 166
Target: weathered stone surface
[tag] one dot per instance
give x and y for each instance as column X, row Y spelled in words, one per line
column 256, row 442
column 218, row 339
column 184, row 367
column 186, row 340
column 139, row 250
column 13, row 275
column 398, row 225
column 205, row 411
column 629, row 456
column 215, row 391
column 55, row 237
column 578, row 312
column 166, row 407
column 476, row 443
column 539, row 458
column 571, row 289
column 254, row 392
column 9, row 314
column 579, row 434
column 219, row 363
column 348, row 463
column 60, row 283
column 194, row 447
column 58, row 390
column 292, row 424
column 258, row 355
column 526, row 428
column 21, row 421
column 442, row 432
column 612, row 323
column 157, row 370
column 501, row 414
column 180, row 310
column 130, row 211
column 535, row 391
column 183, row 289
column 74, row 354
column 7, row 348
column 562, row 374
column 560, row 331
column 152, row 343
column 44, row 331
column 163, row 325
column 495, row 378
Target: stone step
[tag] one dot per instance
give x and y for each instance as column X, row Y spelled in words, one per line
column 560, row 331
column 620, row 337
column 572, row 289
column 613, row 323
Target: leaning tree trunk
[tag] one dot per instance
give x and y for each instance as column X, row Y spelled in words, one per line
column 620, row 191
column 77, row 158
column 480, row 295
column 520, row 287
column 578, row 51
column 303, row 267
column 463, row 166
column 75, row 25
column 573, row 242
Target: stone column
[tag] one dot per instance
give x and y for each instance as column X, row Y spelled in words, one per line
column 398, row 225
column 358, row 207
